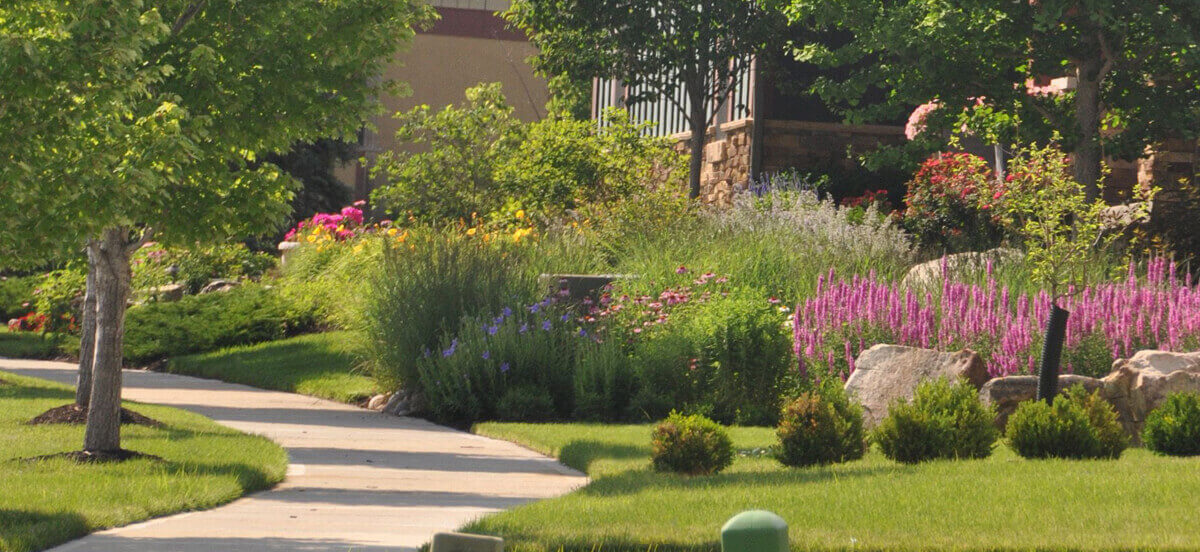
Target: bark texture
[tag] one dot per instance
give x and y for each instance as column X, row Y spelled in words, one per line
column 113, row 275
column 698, row 119
column 1088, row 154
column 87, row 341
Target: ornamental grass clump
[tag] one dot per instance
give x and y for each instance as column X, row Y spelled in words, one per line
column 1174, row 428
column 821, row 427
column 1077, row 425
column 690, row 445
column 944, row 420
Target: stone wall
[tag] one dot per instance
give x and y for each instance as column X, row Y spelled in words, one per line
column 786, row 145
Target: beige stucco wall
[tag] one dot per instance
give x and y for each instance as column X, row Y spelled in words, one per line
column 439, row 69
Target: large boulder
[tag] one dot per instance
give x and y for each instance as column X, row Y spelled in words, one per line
column 1140, row 384
column 958, row 264
column 885, row 373
column 218, row 285
column 1007, row 392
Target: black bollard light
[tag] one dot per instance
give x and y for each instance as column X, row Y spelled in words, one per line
column 1056, row 333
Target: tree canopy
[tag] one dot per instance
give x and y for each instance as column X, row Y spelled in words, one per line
column 1133, row 65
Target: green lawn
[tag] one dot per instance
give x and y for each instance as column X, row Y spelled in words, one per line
column 35, row 346
column 48, row 502
column 320, row 365
column 1139, row 502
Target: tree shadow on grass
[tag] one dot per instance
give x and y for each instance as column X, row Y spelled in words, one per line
column 27, row 530
column 580, row 454
column 634, row 481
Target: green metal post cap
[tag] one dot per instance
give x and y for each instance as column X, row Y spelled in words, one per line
column 755, row 531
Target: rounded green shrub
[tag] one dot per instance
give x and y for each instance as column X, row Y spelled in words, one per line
column 821, row 427
column 692, row 445
column 1077, row 425
column 1174, row 427
column 943, row 420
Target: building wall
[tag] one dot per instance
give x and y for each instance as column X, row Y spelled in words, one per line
column 468, row 46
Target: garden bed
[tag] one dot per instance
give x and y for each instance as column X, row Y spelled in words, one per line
column 1001, row 503
column 190, row 463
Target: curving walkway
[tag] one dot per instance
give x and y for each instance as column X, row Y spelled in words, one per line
column 359, row 481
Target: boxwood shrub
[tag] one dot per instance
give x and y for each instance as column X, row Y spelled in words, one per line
column 691, row 445
column 944, row 420
column 821, row 427
column 1174, row 427
column 1077, row 425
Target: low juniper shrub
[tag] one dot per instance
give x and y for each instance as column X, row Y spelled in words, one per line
column 691, row 445
column 944, row 420
column 1078, row 425
column 1174, row 427
column 821, row 427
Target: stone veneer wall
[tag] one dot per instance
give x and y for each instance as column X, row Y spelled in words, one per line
column 786, row 145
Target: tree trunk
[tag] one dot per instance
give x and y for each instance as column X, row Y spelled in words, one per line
column 698, row 119
column 1088, row 155
column 87, row 341
column 113, row 275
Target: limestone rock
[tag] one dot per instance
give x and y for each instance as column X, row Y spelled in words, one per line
column 930, row 273
column 1142, row 383
column 1007, row 392
column 167, row 293
column 378, row 401
column 220, row 284
column 399, row 404
column 885, row 373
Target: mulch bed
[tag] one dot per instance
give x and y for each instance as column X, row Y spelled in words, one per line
column 88, row 457
column 77, row 415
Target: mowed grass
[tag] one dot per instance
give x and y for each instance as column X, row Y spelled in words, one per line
column 320, row 365
column 1140, row 502
column 47, row 502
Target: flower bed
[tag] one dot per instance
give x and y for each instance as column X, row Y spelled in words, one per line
column 1107, row 321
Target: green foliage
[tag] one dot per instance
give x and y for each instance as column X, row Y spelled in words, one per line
column 424, row 289
column 197, row 265
column 948, row 204
column 501, row 366
column 604, row 382
column 480, row 160
column 331, row 281
column 944, row 420
column 1174, row 427
column 979, row 56
column 1060, row 226
column 658, row 49
column 745, row 352
column 199, row 323
column 821, row 427
column 690, row 445
column 16, row 296
column 1077, row 425
column 58, row 297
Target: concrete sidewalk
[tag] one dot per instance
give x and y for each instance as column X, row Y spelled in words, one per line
column 359, row 481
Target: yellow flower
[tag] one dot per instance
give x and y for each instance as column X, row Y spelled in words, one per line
column 471, row 231
column 392, row 231
column 358, row 248
column 520, row 214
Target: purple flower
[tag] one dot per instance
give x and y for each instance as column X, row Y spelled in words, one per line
column 546, row 325
column 507, row 312
column 565, row 317
column 504, row 367
column 534, row 308
column 492, row 330
column 486, row 355
column 524, row 328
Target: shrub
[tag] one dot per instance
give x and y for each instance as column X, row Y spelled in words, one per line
column 469, row 375
column 59, row 296
column 946, row 207
column 692, row 445
column 199, row 323
column 16, row 296
column 1077, row 425
column 196, row 266
column 525, row 403
column 1174, row 427
column 330, row 281
column 943, row 420
column 821, row 427
column 745, row 353
column 604, row 382
column 425, row 288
